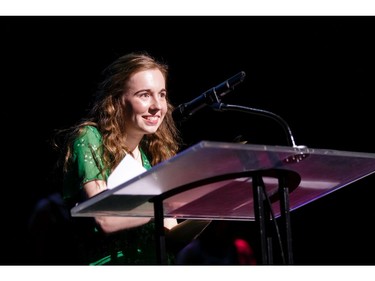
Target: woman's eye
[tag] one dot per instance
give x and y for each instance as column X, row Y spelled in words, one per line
column 145, row 95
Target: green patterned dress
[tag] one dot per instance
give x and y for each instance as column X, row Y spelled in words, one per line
column 134, row 246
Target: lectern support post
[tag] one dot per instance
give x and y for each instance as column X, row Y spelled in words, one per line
column 159, row 232
column 262, row 212
column 260, row 216
column 285, row 219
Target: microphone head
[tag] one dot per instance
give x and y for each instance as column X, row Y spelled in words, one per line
column 228, row 86
column 210, row 97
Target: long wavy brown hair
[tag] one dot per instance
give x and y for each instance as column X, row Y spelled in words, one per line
column 107, row 114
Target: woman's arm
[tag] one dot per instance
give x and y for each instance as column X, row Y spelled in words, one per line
column 111, row 224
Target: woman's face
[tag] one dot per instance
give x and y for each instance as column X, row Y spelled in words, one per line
column 145, row 102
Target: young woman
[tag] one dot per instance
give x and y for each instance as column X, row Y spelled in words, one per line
column 131, row 115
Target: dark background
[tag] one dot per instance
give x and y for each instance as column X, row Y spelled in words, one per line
column 315, row 72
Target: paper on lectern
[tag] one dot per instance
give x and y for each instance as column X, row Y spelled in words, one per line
column 126, row 170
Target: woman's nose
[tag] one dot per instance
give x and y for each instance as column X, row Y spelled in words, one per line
column 156, row 102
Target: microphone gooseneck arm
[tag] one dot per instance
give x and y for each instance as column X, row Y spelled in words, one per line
column 281, row 121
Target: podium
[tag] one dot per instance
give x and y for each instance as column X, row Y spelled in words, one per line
column 232, row 181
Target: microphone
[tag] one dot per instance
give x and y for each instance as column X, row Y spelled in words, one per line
column 185, row 110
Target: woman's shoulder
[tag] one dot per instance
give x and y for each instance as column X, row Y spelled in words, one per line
column 89, row 134
column 90, row 131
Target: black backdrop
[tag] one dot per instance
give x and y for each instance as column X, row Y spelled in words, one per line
column 315, row 72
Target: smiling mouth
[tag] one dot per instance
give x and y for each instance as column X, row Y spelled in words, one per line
column 153, row 120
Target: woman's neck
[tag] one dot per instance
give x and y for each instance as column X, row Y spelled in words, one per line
column 132, row 141
column 137, row 155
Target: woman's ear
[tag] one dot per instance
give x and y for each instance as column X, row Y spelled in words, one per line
column 123, row 100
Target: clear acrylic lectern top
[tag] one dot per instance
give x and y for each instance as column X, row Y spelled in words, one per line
column 321, row 172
